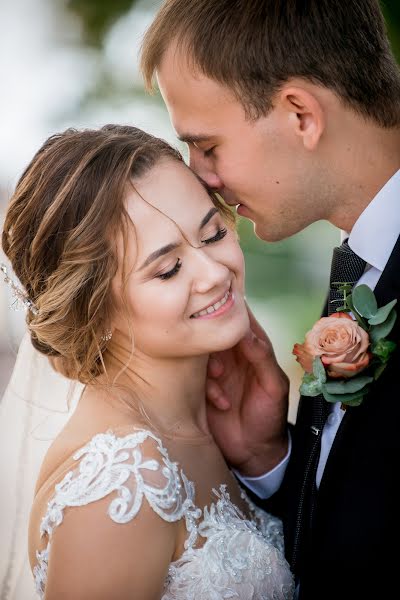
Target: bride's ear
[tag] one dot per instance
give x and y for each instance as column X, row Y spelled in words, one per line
column 306, row 113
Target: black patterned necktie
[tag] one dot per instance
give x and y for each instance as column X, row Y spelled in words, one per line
column 346, row 267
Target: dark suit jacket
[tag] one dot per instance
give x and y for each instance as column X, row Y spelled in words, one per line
column 356, row 533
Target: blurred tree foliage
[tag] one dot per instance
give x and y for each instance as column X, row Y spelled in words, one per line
column 98, row 16
column 391, row 10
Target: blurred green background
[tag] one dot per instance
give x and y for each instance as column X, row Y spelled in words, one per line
column 74, row 63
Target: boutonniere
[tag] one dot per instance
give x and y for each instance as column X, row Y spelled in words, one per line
column 343, row 354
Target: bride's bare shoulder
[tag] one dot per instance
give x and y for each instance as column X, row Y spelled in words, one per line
column 90, row 514
column 96, row 412
column 93, row 415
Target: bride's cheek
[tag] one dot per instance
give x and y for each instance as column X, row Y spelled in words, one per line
column 237, row 259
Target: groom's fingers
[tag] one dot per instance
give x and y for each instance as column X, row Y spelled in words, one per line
column 266, row 368
column 216, row 396
column 260, row 355
column 255, row 326
column 254, row 349
column 215, row 367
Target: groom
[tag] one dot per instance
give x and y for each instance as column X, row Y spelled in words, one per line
column 291, row 109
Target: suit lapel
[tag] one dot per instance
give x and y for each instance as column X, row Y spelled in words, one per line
column 387, row 289
column 388, row 286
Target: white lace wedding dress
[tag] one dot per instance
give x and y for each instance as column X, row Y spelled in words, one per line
column 226, row 555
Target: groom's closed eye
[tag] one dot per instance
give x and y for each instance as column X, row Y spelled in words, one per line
column 202, row 142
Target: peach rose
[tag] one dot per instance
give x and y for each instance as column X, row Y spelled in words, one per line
column 340, row 342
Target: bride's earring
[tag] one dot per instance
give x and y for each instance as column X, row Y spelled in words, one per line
column 107, row 335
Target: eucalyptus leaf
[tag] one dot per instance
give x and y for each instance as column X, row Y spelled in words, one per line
column 319, row 370
column 377, row 332
column 379, row 370
column 335, row 302
column 359, row 319
column 348, row 387
column 354, row 401
column 383, row 349
column 342, row 285
column 382, row 313
column 364, row 301
column 349, row 302
column 310, row 387
column 350, row 399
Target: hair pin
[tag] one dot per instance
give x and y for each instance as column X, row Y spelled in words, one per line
column 107, row 335
column 21, row 298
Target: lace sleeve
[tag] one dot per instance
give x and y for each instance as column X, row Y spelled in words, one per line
column 127, row 481
column 270, row 526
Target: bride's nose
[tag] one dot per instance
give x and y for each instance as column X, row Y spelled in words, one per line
column 209, row 273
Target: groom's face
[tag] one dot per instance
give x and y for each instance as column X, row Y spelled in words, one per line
column 256, row 164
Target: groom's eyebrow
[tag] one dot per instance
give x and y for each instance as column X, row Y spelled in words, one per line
column 191, row 138
column 169, row 247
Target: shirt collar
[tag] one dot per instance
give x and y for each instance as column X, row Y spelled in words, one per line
column 375, row 232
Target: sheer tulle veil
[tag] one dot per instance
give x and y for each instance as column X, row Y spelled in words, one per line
column 35, row 407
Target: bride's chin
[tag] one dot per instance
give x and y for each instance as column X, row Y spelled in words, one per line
column 235, row 334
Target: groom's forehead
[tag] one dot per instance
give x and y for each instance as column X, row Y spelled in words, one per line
column 181, row 82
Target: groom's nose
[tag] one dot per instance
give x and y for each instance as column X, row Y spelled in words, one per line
column 203, row 166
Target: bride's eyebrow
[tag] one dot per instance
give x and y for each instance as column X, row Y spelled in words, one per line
column 208, row 216
column 170, row 247
column 157, row 253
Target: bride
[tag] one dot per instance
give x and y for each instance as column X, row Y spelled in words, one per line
column 132, row 274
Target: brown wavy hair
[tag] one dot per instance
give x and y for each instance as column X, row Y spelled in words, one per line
column 60, row 236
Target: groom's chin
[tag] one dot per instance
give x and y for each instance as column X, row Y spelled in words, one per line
column 269, row 232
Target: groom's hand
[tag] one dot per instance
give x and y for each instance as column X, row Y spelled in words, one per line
column 247, row 394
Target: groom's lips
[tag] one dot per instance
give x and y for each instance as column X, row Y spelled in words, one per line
column 242, row 210
column 234, row 203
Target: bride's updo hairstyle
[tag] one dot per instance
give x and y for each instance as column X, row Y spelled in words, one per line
column 60, row 235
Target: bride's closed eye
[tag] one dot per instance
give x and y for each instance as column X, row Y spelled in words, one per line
column 221, row 233
column 172, row 272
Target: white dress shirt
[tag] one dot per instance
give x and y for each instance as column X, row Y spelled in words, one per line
column 373, row 238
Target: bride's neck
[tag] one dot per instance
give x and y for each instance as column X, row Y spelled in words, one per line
column 170, row 392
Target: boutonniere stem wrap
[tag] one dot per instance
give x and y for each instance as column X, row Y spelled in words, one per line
column 343, row 354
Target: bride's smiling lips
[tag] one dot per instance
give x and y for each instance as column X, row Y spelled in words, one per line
column 216, row 308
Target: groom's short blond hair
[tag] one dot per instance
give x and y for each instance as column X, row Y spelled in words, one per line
column 254, row 46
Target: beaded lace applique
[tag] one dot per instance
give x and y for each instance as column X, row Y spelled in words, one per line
column 240, row 558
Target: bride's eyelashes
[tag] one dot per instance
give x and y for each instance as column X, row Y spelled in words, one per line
column 172, row 272
column 221, row 233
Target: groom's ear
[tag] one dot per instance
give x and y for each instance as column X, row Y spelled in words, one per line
column 306, row 113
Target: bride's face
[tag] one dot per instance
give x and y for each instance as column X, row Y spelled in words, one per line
column 184, row 280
